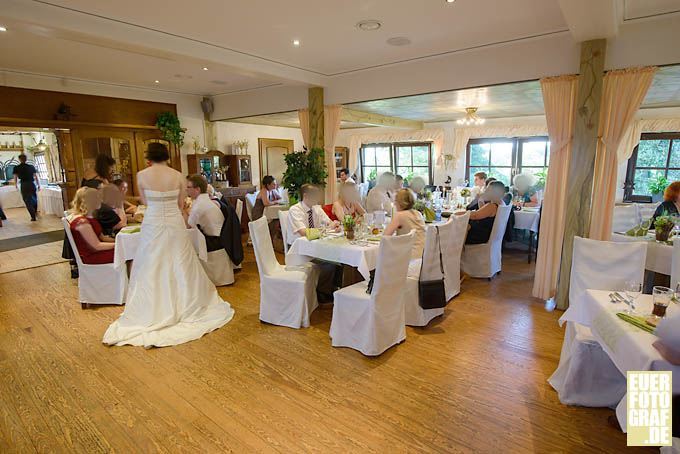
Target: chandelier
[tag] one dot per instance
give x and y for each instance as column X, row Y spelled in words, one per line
column 471, row 117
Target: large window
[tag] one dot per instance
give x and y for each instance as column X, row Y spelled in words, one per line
column 405, row 159
column 504, row 158
column 657, row 155
column 41, row 166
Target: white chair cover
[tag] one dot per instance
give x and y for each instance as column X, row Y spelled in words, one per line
column 675, row 263
column 98, row 284
column 426, row 268
column 373, row 323
column 485, row 260
column 287, row 298
column 586, row 375
column 239, row 209
column 283, row 221
column 625, row 217
column 250, row 204
column 219, row 268
column 453, row 235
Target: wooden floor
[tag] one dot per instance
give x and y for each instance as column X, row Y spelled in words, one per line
column 473, row 381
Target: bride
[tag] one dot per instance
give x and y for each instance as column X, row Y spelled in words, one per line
column 170, row 299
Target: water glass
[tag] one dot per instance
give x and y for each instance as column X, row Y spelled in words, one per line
column 633, row 291
column 380, row 217
column 661, row 296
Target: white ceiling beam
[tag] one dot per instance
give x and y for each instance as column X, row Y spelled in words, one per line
column 373, row 119
column 592, row 19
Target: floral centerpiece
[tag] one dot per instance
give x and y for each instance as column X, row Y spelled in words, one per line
column 348, row 223
column 465, row 192
column 663, row 225
column 422, row 206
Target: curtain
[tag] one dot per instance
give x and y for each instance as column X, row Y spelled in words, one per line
column 332, row 116
column 559, row 99
column 623, row 93
column 303, row 115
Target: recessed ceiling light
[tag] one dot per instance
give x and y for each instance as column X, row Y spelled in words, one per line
column 369, row 25
column 296, row 42
column 205, row 68
column 3, row 28
column 399, row 41
column 450, row 1
column 157, row 81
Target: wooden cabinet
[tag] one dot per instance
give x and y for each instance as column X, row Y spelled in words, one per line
column 240, row 171
column 211, row 164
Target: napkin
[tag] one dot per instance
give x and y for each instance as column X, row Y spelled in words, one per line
column 313, row 234
column 131, row 229
column 636, row 321
column 636, row 231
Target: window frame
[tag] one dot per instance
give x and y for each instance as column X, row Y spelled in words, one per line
column 516, row 166
column 41, row 166
column 394, row 158
column 629, row 183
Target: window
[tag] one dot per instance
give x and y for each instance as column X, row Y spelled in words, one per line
column 405, row 159
column 657, row 155
column 504, row 158
column 41, row 166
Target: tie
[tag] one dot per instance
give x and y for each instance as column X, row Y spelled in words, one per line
column 310, row 219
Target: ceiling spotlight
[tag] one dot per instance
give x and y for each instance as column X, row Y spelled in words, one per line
column 471, row 118
column 399, row 41
column 296, row 42
column 369, row 25
column 3, row 28
column 157, row 81
column 205, row 68
column 450, row 1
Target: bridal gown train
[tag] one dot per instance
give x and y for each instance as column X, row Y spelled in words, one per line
column 170, row 299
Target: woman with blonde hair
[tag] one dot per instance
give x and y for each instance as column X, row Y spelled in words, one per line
column 406, row 219
column 94, row 248
column 348, row 201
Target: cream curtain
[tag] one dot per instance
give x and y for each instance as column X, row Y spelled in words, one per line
column 623, row 93
column 332, row 116
column 303, row 115
column 559, row 99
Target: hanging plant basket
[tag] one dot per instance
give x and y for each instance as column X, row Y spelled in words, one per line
column 169, row 126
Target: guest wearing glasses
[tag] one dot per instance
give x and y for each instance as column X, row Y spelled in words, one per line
column 406, row 219
column 348, row 201
column 93, row 246
column 267, row 196
column 482, row 219
column 671, row 202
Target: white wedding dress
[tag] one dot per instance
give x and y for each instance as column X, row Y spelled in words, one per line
column 170, row 299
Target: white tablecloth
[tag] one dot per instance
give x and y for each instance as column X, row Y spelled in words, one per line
column 337, row 250
column 272, row 212
column 50, row 201
column 659, row 255
column 10, row 197
column 629, row 347
column 527, row 220
column 128, row 243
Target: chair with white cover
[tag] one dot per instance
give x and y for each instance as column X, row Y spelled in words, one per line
column 586, row 375
column 625, row 217
column 485, row 260
column 97, row 284
column 239, row 209
column 453, row 235
column 373, row 323
column 250, row 203
column 283, row 221
column 287, row 298
column 675, row 263
column 219, row 268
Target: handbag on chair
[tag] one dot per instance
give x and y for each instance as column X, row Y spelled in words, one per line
column 431, row 294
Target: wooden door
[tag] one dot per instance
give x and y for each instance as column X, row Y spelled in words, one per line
column 117, row 143
column 142, row 140
column 271, row 157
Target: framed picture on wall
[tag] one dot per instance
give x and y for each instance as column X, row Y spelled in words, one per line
column 341, row 156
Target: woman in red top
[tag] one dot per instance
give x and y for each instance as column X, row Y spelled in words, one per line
column 94, row 248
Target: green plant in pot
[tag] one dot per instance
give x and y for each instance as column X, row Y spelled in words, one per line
column 540, row 179
column 171, row 129
column 303, row 167
column 348, row 223
column 663, row 225
column 657, row 186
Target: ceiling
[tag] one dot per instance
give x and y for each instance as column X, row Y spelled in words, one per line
column 288, row 120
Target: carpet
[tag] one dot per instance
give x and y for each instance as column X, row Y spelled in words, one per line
column 22, row 242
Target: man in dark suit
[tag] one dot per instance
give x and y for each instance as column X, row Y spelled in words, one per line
column 30, row 185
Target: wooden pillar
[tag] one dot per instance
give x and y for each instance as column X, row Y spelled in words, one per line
column 582, row 161
column 316, row 123
column 209, row 128
column 67, row 161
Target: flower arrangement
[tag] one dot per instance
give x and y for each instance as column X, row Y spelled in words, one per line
column 348, row 224
column 465, row 192
column 422, row 206
column 241, row 145
column 663, row 226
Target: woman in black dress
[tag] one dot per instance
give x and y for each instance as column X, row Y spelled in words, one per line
column 482, row 219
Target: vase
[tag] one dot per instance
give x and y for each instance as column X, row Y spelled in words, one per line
column 349, row 233
column 662, row 233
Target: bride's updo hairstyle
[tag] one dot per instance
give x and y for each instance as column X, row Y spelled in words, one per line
column 157, row 152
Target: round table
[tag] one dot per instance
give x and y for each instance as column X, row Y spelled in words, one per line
column 10, row 197
column 50, row 201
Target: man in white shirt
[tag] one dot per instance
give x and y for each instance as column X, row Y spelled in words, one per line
column 307, row 213
column 344, row 176
column 378, row 198
column 479, row 185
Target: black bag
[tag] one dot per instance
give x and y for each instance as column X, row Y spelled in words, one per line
column 431, row 294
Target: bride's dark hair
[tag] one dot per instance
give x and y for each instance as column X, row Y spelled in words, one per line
column 157, row 152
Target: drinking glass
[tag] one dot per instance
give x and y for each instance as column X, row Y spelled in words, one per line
column 633, row 290
column 661, row 296
column 323, row 228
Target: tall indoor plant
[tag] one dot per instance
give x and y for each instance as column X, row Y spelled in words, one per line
column 169, row 126
column 303, row 167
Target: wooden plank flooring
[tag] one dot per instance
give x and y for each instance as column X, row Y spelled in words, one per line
column 473, row 381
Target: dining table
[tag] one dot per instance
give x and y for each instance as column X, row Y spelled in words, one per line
column 10, row 197
column 659, row 255
column 629, row 347
column 50, row 201
column 127, row 244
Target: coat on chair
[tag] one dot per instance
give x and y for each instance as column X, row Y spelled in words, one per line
column 230, row 235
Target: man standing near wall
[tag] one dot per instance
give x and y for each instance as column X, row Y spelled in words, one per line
column 30, row 185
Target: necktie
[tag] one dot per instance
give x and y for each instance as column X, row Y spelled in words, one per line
column 310, row 219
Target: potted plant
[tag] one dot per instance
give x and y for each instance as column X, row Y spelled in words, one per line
column 540, row 179
column 348, row 223
column 170, row 128
column 663, row 226
column 303, row 167
column 656, row 187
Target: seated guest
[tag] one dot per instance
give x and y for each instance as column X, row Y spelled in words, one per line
column 93, row 246
column 205, row 213
column 398, row 185
column 671, row 202
column 344, row 176
column 417, row 185
column 507, row 197
column 111, row 215
column 267, row 196
column 123, row 188
column 480, row 197
column 482, row 219
column 348, row 201
column 378, row 198
column 478, row 186
column 406, row 219
column 523, row 190
column 103, row 168
column 308, row 212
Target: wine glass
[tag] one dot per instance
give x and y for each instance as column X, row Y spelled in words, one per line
column 323, row 227
column 633, row 291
